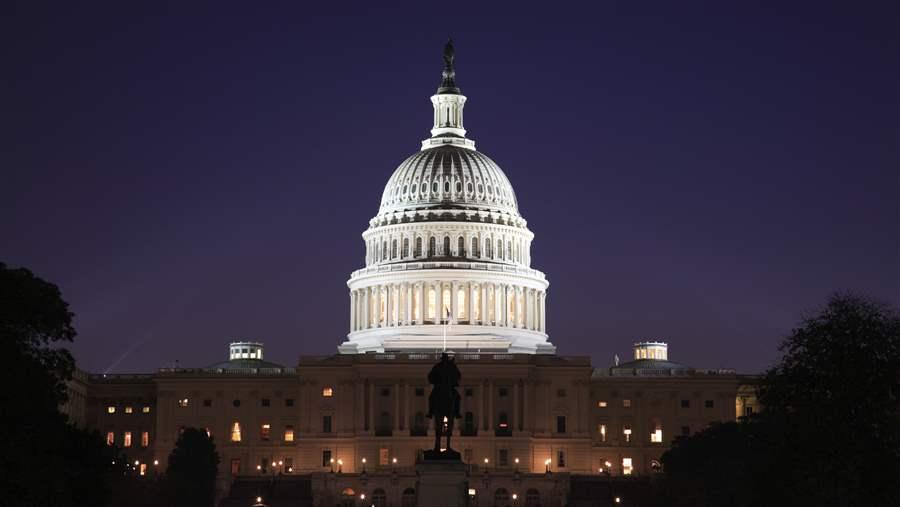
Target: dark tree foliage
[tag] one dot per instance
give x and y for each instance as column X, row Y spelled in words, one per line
column 829, row 433
column 191, row 475
column 45, row 460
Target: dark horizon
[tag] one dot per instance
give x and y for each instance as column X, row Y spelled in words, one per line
column 703, row 175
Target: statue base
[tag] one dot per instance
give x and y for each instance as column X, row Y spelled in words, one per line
column 445, row 455
column 442, row 481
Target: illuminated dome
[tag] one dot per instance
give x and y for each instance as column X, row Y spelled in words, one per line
column 448, row 176
column 448, row 256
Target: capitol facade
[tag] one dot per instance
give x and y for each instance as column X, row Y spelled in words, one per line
column 447, row 268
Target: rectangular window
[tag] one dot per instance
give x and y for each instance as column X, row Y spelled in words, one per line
column 146, row 409
column 503, row 457
column 709, row 403
column 656, row 436
column 385, row 392
column 129, row 410
column 127, row 441
column 560, row 424
column 289, row 402
column 626, row 430
column 560, row 393
column 235, row 403
column 110, row 438
column 207, row 403
column 266, row 402
column 626, row 466
column 326, row 424
column 327, row 392
column 235, row 466
column 265, row 431
column 503, row 392
column 326, row 457
column 236, row 432
column 143, row 469
column 601, row 428
column 288, row 433
column 748, row 411
column 561, row 459
column 111, row 409
column 685, row 403
column 626, row 403
column 601, row 404
column 384, row 456
column 145, row 439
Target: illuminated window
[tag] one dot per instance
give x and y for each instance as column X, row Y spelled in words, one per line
column 111, row 409
column 626, row 403
column 145, row 438
column 208, row 432
column 183, row 402
column 461, row 303
column 288, row 433
column 127, row 441
column 146, row 409
column 110, row 438
column 626, row 466
column 384, row 456
column 236, row 432
column 446, row 301
column 327, row 392
column 129, row 410
column 601, row 404
column 656, row 436
column 143, row 469
column 626, row 430
column 264, row 431
column 601, row 428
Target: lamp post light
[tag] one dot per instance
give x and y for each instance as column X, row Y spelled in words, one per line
column 364, row 464
column 618, row 499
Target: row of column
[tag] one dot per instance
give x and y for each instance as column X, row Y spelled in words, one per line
column 489, row 248
column 416, row 303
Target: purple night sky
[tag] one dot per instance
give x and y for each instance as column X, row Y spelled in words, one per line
column 703, row 174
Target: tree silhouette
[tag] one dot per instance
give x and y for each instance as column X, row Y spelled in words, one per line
column 191, row 474
column 829, row 432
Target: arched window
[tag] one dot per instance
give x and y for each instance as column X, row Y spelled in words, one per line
column 501, row 498
column 393, row 249
column 500, row 249
column 461, row 247
column 446, row 252
column 509, row 254
column 348, row 497
column 418, row 250
column 532, row 498
column 405, row 252
column 379, row 498
column 384, row 250
column 409, row 498
column 432, row 246
column 475, row 249
column 488, row 250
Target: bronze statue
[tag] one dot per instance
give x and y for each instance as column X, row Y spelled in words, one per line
column 443, row 403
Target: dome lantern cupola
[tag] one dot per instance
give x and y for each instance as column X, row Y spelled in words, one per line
column 448, row 105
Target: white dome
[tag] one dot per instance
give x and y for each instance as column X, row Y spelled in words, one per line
column 449, row 176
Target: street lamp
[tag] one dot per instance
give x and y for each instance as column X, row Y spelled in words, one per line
column 618, row 499
column 364, row 464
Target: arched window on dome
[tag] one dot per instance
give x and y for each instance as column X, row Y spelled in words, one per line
column 461, row 247
column 500, row 249
column 432, row 246
column 418, row 250
column 475, row 250
column 446, row 252
column 384, row 250
column 509, row 255
column 405, row 252
column 488, row 250
column 393, row 249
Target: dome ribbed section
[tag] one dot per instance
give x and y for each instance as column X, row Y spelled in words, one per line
column 448, row 177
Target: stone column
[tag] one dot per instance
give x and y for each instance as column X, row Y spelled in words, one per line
column 366, row 304
column 409, row 304
column 421, row 289
column 377, row 289
column 471, row 309
column 498, row 305
column 454, row 302
column 439, row 302
column 352, row 311
column 484, row 304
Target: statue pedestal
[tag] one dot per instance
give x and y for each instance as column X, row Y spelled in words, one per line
column 442, row 482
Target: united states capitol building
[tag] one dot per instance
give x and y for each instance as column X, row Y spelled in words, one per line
column 447, row 266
